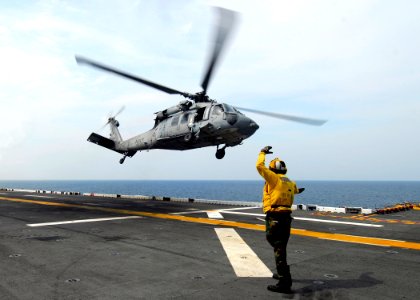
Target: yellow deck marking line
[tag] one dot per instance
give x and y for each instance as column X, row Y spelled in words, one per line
column 321, row 235
column 358, row 239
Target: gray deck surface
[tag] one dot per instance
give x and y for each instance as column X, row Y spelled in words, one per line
column 152, row 257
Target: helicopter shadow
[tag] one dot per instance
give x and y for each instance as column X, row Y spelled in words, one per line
column 325, row 288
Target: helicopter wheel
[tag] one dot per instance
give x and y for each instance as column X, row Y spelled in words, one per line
column 220, row 153
column 187, row 137
column 122, row 160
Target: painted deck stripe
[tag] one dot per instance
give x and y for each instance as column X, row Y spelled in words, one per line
column 306, row 219
column 338, row 222
column 239, row 208
column 81, row 221
column 244, row 261
column 214, row 215
column 39, row 196
column 189, row 212
column 220, row 210
column 321, row 235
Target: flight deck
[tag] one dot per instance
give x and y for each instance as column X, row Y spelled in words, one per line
column 84, row 247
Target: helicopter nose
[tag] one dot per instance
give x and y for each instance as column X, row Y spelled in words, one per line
column 249, row 126
column 253, row 125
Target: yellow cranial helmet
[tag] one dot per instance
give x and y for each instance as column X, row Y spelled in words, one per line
column 278, row 165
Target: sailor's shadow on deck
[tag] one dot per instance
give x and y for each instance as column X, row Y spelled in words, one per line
column 324, row 288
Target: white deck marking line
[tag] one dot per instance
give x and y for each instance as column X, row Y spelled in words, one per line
column 244, row 261
column 214, row 215
column 241, row 213
column 338, row 222
column 308, row 219
column 205, row 211
column 38, row 196
column 239, row 208
column 82, row 221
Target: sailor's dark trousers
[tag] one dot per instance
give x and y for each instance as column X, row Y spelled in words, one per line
column 278, row 227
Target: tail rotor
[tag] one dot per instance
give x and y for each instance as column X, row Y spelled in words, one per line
column 111, row 118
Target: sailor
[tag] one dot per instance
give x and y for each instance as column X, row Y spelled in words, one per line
column 278, row 195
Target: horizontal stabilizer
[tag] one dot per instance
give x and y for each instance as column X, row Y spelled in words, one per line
column 103, row 141
column 107, row 143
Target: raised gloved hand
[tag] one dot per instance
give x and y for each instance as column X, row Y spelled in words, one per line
column 301, row 190
column 266, row 150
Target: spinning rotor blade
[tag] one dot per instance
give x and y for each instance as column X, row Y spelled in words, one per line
column 110, row 117
column 308, row 121
column 224, row 28
column 82, row 60
column 120, row 111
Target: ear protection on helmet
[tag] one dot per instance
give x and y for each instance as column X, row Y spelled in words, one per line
column 279, row 165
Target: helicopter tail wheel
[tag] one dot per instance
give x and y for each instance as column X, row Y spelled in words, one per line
column 220, row 153
column 122, row 159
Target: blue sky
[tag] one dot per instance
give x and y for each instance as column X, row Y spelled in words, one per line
column 355, row 63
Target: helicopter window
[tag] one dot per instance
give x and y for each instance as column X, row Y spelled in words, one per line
column 184, row 118
column 237, row 111
column 217, row 110
column 228, row 108
column 175, row 121
column 200, row 113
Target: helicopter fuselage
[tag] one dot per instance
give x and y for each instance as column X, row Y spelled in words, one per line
column 185, row 127
column 202, row 125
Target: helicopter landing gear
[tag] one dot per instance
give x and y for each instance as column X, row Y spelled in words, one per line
column 220, row 153
column 129, row 153
column 187, row 137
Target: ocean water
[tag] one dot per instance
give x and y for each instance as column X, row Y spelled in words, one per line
column 366, row 194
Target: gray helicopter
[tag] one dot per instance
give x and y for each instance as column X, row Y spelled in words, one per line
column 194, row 123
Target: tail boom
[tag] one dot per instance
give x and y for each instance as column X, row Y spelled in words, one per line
column 109, row 144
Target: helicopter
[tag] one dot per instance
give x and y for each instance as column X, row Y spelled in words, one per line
column 195, row 122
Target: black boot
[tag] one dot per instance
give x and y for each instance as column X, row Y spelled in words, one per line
column 285, row 281
column 280, row 288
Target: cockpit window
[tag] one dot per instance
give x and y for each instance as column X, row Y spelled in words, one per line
column 228, row 108
column 217, row 110
column 237, row 111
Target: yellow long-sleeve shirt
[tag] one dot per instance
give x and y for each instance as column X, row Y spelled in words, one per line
column 278, row 192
